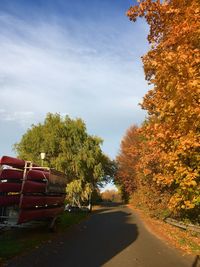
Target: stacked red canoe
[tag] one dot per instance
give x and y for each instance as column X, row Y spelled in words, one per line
column 38, row 192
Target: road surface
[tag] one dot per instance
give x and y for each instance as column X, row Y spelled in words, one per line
column 113, row 237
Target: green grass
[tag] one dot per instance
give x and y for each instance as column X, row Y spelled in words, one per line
column 11, row 247
column 12, row 244
column 67, row 219
column 17, row 241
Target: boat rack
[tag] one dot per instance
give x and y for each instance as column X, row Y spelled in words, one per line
column 29, row 193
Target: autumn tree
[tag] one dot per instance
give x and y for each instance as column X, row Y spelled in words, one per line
column 127, row 160
column 134, row 178
column 173, row 128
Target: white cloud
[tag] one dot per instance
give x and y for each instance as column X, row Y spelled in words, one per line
column 21, row 117
column 48, row 67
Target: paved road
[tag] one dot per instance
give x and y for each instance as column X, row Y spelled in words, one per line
column 113, row 237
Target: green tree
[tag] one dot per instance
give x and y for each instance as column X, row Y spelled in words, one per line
column 70, row 149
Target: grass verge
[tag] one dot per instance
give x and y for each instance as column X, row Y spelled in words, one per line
column 18, row 241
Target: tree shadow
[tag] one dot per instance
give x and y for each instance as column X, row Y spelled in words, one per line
column 196, row 262
column 91, row 243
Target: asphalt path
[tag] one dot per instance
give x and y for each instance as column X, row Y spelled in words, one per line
column 112, row 237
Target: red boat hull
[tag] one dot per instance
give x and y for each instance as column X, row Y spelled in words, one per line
column 37, row 175
column 35, row 214
column 33, row 201
column 54, row 181
column 34, row 187
column 9, row 200
column 10, row 187
column 13, row 162
column 11, row 174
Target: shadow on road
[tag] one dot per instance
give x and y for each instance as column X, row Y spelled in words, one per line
column 196, row 262
column 113, row 233
column 92, row 243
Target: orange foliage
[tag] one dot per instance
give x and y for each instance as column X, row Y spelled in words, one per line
column 170, row 155
column 127, row 160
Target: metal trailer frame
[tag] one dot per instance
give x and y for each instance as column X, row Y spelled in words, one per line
column 9, row 215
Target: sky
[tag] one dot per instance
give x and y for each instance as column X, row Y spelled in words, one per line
column 79, row 58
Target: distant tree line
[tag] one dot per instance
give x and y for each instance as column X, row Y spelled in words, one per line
column 111, row 196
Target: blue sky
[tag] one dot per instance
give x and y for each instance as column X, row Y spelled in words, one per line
column 80, row 58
